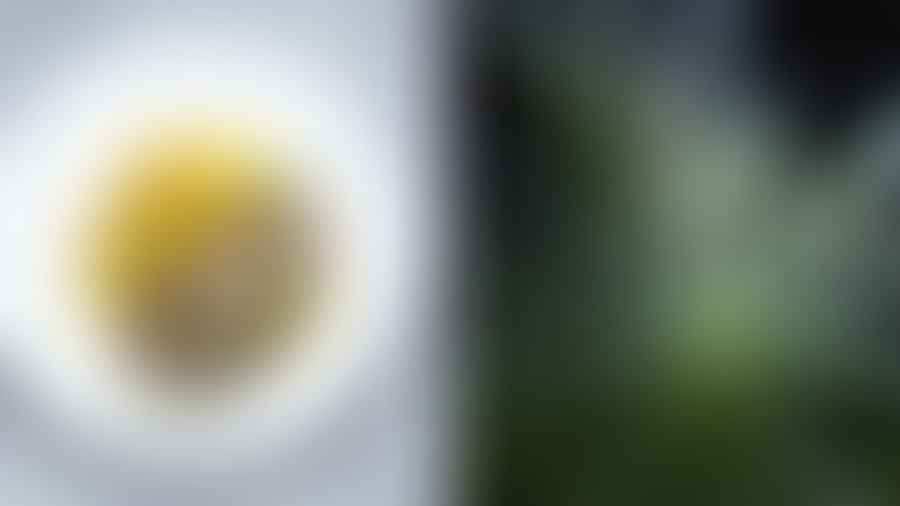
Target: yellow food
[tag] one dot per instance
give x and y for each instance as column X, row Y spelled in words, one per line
column 196, row 252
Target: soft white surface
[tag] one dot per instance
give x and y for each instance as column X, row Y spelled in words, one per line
column 352, row 88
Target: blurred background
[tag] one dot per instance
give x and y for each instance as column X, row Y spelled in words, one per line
column 676, row 280
column 691, row 208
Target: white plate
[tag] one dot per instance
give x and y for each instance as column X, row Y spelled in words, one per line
column 375, row 204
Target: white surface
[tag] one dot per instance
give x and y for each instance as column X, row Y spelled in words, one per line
column 358, row 85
